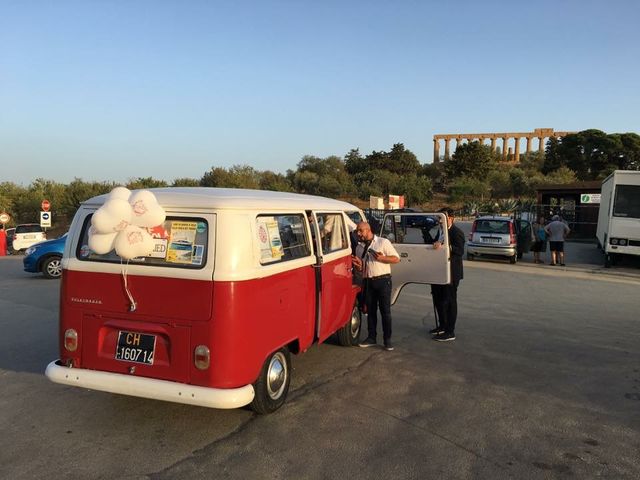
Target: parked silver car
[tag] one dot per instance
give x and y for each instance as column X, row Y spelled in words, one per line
column 499, row 236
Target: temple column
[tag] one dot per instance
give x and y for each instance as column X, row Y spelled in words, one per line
column 541, row 146
column 517, row 151
column 493, row 144
column 446, row 148
column 436, row 150
column 505, row 147
column 528, row 144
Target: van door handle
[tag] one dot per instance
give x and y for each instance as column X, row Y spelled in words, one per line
column 404, row 255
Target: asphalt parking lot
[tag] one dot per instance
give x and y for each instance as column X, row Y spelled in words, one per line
column 543, row 381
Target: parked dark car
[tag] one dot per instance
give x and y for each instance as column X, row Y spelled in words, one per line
column 45, row 257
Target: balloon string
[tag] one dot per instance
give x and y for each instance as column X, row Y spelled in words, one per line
column 125, row 271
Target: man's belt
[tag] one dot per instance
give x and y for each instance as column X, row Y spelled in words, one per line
column 388, row 275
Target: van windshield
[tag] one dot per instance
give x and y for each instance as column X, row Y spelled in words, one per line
column 627, row 201
column 492, row 226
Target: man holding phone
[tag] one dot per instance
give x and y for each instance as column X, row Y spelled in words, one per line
column 374, row 257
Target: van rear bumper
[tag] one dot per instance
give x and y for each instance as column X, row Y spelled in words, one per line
column 149, row 387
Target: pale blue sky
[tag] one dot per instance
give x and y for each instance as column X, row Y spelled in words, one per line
column 112, row 90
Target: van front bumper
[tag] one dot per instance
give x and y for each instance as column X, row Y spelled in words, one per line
column 149, row 387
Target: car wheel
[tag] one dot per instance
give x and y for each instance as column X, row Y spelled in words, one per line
column 272, row 386
column 52, row 267
column 470, row 256
column 513, row 259
column 350, row 334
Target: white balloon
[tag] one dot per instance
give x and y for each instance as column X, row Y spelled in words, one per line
column 114, row 216
column 134, row 242
column 101, row 243
column 120, row 193
column 147, row 212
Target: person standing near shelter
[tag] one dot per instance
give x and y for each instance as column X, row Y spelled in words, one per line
column 557, row 231
column 445, row 297
column 540, row 242
column 374, row 257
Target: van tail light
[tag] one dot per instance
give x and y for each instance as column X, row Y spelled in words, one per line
column 512, row 234
column 71, row 340
column 202, row 357
column 473, row 230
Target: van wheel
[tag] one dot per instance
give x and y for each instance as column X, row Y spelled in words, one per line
column 609, row 260
column 350, row 334
column 513, row 259
column 272, row 386
column 52, row 267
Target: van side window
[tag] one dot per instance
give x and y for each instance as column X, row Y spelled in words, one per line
column 180, row 242
column 282, row 238
column 332, row 232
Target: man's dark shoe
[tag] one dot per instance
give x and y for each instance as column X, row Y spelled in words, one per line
column 388, row 346
column 445, row 337
column 436, row 331
column 368, row 342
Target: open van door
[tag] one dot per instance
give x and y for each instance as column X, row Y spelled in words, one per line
column 413, row 236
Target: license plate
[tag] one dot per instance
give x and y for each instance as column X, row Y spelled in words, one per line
column 135, row 347
column 29, row 237
column 490, row 240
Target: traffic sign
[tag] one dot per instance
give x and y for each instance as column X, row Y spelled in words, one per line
column 45, row 219
column 4, row 217
column 45, row 205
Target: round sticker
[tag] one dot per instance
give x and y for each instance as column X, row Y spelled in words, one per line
column 85, row 251
column 201, row 227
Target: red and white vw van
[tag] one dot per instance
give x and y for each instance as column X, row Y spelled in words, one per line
column 237, row 280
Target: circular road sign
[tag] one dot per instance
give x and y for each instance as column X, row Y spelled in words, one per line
column 4, row 217
column 45, row 205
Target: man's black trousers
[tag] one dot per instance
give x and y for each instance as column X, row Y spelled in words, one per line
column 378, row 295
column 445, row 299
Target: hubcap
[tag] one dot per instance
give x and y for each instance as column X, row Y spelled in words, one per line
column 355, row 323
column 55, row 268
column 277, row 375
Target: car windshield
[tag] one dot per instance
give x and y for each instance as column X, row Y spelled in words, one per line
column 28, row 229
column 492, row 226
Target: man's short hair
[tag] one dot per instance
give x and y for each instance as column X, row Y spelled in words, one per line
column 448, row 211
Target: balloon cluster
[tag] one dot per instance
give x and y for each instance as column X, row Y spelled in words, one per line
column 122, row 223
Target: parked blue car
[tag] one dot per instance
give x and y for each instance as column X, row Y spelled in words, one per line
column 45, row 257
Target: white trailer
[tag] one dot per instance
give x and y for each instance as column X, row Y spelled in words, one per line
column 618, row 229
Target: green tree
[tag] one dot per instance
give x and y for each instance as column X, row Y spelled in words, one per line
column 473, row 160
column 274, row 181
column 142, row 183
column 185, row 182
column 468, row 188
column 354, row 162
column 238, row 176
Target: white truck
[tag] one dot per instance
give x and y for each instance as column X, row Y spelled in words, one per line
column 618, row 229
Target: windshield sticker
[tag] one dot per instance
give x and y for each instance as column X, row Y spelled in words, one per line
column 181, row 240
column 269, row 240
column 198, row 252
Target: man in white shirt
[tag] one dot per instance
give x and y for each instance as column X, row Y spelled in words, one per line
column 374, row 256
column 557, row 231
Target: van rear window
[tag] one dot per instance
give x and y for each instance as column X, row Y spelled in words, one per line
column 180, row 242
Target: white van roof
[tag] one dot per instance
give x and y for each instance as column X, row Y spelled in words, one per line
column 235, row 198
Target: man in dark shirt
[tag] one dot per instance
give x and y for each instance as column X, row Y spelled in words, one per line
column 445, row 297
